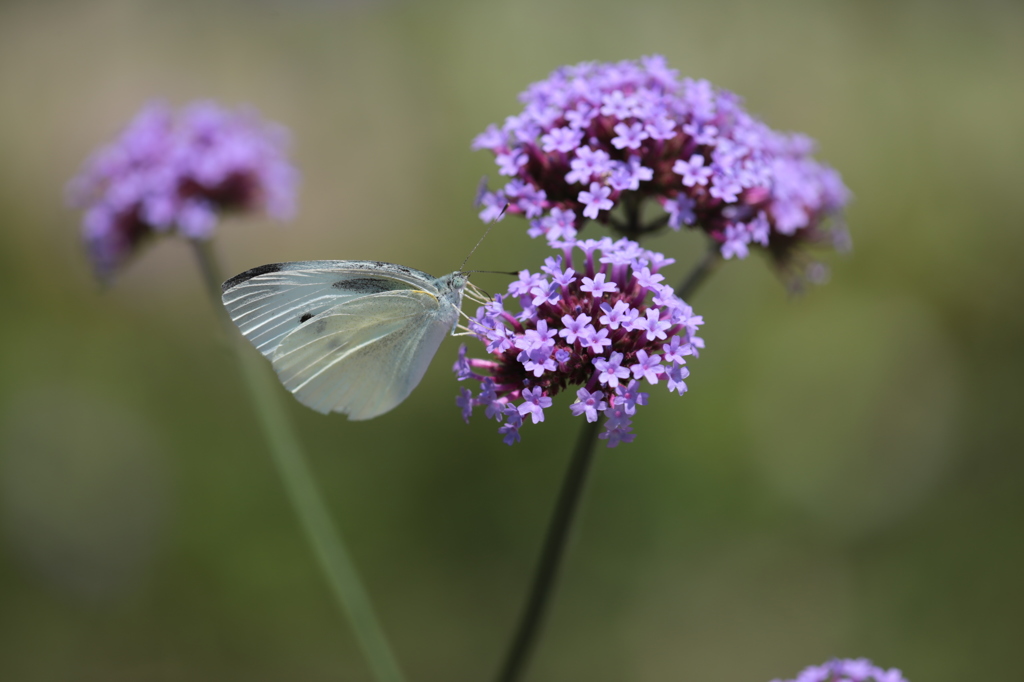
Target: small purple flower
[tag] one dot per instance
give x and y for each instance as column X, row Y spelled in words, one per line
column 629, row 136
column 684, row 316
column 492, row 138
column 561, row 140
column 629, row 175
column 537, row 361
column 611, row 370
column 634, row 329
column 528, row 199
column 736, row 240
column 587, row 164
column 597, row 287
column 617, row 105
column 513, row 422
column 589, row 404
column 561, row 278
column 180, row 172
column 675, row 377
column 545, row 294
column 552, row 266
column 461, row 367
column 580, row 117
column 618, row 428
column 574, row 327
column 759, row 229
column 541, row 337
column 848, row 670
column 661, row 128
column 675, row 350
column 534, row 402
column 494, row 205
column 526, row 283
column 621, row 314
column 565, row 278
column 557, row 225
column 647, row 279
column 495, row 408
column 509, row 163
column 653, row 325
column 594, row 340
column 196, row 219
column 631, row 396
column 693, row 171
column 465, row 401
column 725, row 189
column 702, row 134
column 647, row 366
column 595, row 200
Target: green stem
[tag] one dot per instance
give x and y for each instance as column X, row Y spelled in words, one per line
column 322, row 534
column 546, row 573
column 707, row 264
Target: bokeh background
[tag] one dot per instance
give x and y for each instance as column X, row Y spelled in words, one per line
column 843, row 479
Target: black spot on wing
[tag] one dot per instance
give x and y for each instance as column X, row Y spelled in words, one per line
column 249, row 274
column 305, row 317
column 367, row 285
column 394, row 266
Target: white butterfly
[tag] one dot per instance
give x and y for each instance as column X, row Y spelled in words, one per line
column 346, row 336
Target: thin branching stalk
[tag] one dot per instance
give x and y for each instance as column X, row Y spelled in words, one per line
column 321, row 532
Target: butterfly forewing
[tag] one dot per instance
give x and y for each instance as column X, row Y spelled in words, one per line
column 365, row 355
column 271, row 301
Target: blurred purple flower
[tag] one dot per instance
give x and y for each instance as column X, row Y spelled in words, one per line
column 847, row 670
column 605, row 331
column 595, row 136
column 167, row 173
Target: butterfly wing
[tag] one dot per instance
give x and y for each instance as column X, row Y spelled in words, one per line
column 364, row 356
column 271, row 301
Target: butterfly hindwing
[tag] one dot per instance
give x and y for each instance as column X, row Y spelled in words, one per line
column 365, row 355
column 271, row 301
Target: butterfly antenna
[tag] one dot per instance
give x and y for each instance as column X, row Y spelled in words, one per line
column 487, row 232
column 490, row 272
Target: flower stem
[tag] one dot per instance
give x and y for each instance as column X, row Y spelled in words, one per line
column 322, row 534
column 706, row 265
column 559, row 528
column 546, row 573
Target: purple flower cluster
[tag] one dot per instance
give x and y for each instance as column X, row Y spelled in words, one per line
column 165, row 173
column 607, row 327
column 596, row 136
column 847, row 670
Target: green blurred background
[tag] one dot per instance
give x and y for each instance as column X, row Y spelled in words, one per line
column 843, row 479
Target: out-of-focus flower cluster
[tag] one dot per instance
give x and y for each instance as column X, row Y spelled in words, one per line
column 594, row 136
column 847, row 670
column 606, row 324
column 168, row 173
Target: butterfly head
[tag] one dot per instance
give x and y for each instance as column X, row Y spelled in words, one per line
column 453, row 281
column 452, row 286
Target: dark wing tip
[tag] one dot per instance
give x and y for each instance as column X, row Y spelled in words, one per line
column 249, row 274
